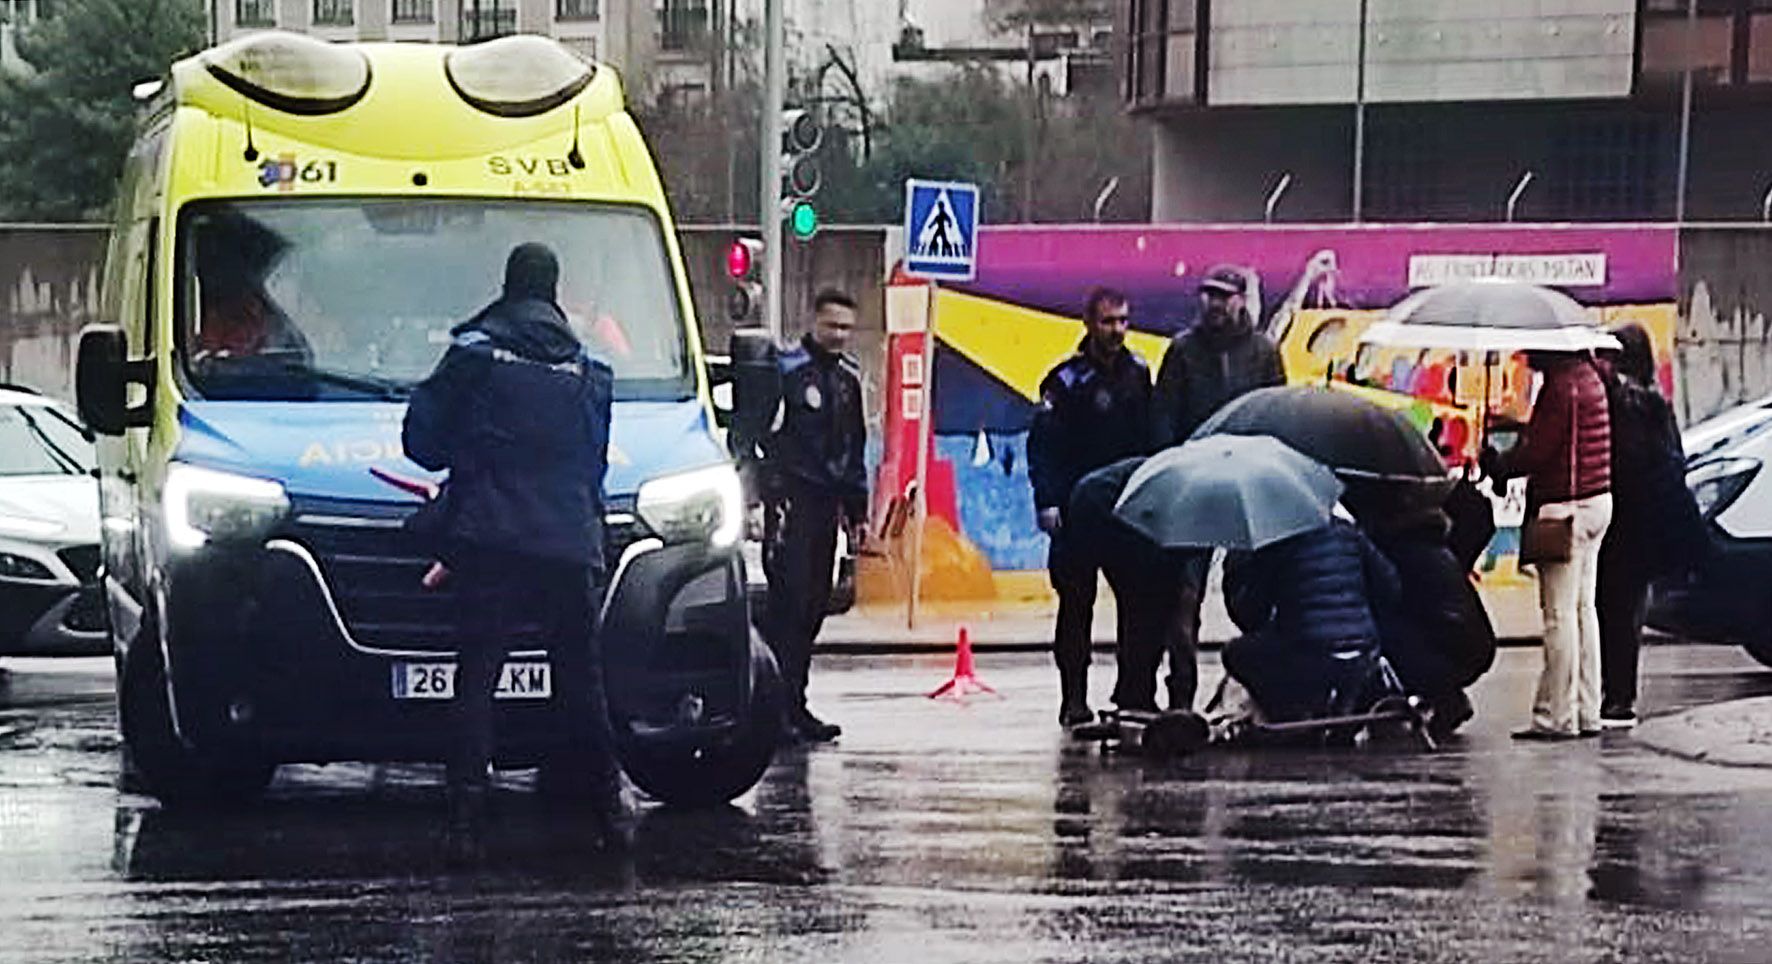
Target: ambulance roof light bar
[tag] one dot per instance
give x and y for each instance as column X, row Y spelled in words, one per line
column 517, row 76
column 290, row 72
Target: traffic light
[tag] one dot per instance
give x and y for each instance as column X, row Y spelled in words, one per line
column 744, row 265
column 802, row 133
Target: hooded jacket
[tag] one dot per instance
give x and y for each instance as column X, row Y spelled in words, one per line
column 1205, row 367
column 519, row 414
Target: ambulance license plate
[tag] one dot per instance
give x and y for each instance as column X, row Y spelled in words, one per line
column 436, row 681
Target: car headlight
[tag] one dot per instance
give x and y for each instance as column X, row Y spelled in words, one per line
column 692, row 506
column 30, row 527
column 205, row 504
column 1716, row 484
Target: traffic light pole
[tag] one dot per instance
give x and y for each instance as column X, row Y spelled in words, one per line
column 775, row 90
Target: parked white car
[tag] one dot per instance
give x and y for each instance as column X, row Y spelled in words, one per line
column 1725, row 600
column 50, row 600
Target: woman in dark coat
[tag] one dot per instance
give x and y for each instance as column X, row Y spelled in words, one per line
column 1436, row 633
column 1656, row 529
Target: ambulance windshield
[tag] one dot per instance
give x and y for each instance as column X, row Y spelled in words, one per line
column 355, row 298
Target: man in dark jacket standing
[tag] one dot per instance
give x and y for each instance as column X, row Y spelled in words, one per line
column 1094, row 409
column 815, row 479
column 1219, row 358
column 519, row 414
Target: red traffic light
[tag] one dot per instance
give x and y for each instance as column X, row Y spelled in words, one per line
column 741, row 258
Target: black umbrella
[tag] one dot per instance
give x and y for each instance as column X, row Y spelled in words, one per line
column 1356, row 438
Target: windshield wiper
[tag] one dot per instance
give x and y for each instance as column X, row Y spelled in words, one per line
column 67, row 463
column 293, row 362
column 385, row 388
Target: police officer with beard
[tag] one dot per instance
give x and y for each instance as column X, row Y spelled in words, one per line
column 1094, row 409
column 1221, row 357
column 815, row 479
column 519, row 414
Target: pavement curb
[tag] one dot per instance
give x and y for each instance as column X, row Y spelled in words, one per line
column 1734, row 734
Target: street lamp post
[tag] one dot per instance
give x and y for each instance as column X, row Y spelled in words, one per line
column 775, row 88
column 1360, row 120
column 1686, row 112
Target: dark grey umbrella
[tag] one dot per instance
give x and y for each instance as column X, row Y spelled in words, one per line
column 1349, row 434
column 1489, row 314
column 1229, row 491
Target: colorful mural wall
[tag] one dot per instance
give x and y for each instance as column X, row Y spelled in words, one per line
column 1319, row 287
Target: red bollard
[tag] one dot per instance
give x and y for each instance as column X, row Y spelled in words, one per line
column 965, row 681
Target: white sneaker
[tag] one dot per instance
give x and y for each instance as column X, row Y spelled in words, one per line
column 1620, row 722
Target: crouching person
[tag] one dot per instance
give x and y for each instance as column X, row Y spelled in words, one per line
column 1306, row 606
column 1435, row 633
column 1148, row 583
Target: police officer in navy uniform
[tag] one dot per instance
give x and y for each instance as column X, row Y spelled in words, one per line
column 1094, row 409
column 815, row 479
column 519, row 414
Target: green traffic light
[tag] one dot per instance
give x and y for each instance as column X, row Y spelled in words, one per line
column 803, row 220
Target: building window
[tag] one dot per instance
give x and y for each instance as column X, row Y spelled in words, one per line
column 575, row 9
column 1164, row 56
column 683, row 24
column 485, row 19
column 334, row 13
column 1607, row 168
column 1730, row 43
column 255, row 13
column 414, row 11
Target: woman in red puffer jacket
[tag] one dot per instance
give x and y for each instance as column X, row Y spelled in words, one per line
column 1566, row 456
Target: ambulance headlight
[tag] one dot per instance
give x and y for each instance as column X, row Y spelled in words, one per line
column 290, row 72
column 517, row 76
column 206, row 505
column 704, row 504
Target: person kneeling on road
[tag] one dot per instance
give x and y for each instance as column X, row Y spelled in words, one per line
column 519, row 414
column 1435, row 632
column 1310, row 643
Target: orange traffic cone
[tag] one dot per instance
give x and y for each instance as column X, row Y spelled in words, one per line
column 965, row 681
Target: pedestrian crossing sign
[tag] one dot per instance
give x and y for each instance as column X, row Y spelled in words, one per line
column 941, row 230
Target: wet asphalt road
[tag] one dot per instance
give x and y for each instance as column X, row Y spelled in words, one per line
column 933, row 832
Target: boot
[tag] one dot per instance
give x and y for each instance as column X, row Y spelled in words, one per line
column 1073, row 704
column 464, row 833
column 812, row 729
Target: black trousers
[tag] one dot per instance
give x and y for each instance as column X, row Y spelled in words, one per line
column 1071, row 567
column 800, row 551
column 1158, row 597
column 504, row 602
column 1623, row 598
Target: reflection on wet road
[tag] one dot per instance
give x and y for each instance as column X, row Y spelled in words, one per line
column 934, row 832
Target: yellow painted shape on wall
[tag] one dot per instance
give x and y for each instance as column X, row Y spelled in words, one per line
column 953, row 569
column 1017, row 345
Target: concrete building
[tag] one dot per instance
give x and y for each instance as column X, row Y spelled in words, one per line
column 1462, row 100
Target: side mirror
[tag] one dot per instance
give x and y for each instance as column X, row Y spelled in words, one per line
column 756, row 388
column 102, row 376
